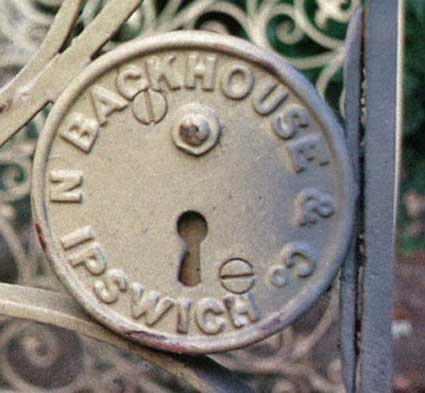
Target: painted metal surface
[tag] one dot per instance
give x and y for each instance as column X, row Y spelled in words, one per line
column 44, row 79
column 383, row 32
column 274, row 185
column 287, row 364
column 372, row 350
column 49, row 307
column 349, row 295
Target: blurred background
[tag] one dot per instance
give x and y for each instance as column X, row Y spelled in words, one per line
column 304, row 358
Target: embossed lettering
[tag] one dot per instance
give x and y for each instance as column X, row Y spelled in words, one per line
column 163, row 70
column 130, row 81
column 81, row 132
column 108, row 290
column 202, row 69
column 300, row 257
column 184, row 307
column 66, row 186
column 311, row 205
column 277, row 276
column 237, row 81
column 149, row 304
column 307, row 150
column 91, row 256
column 105, row 103
column 77, row 237
column 242, row 310
column 208, row 316
column 270, row 99
column 294, row 119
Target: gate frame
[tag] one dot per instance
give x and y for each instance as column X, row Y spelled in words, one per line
column 373, row 71
column 374, row 62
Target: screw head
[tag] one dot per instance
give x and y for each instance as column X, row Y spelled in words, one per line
column 194, row 130
column 237, row 276
column 197, row 129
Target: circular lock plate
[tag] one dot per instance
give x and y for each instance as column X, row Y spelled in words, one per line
column 193, row 192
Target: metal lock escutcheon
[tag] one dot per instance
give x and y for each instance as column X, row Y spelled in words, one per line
column 193, row 192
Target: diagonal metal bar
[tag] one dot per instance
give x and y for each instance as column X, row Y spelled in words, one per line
column 349, row 273
column 61, row 310
column 44, row 79
column 383, row 102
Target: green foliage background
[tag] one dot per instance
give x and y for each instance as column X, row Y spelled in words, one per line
column 413, row 170
column 411, row 218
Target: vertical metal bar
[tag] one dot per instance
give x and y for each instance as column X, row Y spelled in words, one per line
column 383, row 29
column 349, row 274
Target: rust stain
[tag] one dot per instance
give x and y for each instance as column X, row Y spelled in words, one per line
column 40, row 236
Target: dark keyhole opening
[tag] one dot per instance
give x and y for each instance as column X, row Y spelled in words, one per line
column 192, row 228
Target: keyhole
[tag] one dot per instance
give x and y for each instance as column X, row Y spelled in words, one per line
column 192, row 228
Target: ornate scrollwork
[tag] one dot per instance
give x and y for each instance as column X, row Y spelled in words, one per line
column 37, row 358
column 307, row 33
column 285, row 362
column 32, row 353
column 301, row 31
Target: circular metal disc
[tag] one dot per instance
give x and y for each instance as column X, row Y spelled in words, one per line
column 193, row 192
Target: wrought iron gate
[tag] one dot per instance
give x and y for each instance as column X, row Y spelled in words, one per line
column 358, row 304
